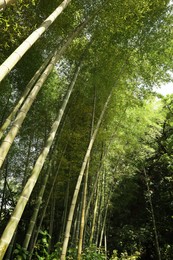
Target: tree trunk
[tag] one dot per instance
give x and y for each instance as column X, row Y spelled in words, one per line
column 74, row 226
column 78, row 184
column 95, row 185
column 104, row 222
column 45, row 207
column 153, row 218
column 11, row 247
column 105, row 240
column 64, row 216
column 24, row 95
column 34, row 216
column 11, row 61
column 36, row 211
column 52, row 216
column 3, row 199
column 98, row 225
column 83, row 215
column 18, row 211
column 91, row 196
column 25, row 176
column 99, row 218
column 82, row 224
column 103, row 227
column 94, row 217
column 7, row 142
column 77, row 231
column 4, row 110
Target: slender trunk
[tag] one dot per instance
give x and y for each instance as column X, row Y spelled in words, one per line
column 36, row 211
column 45, row 207
column 153, row 218
column 28, row 88
column 52, row 216
column 18, row 211
column 102, row 231
column 99, row 221
column 76, row 222
column 11, row 246
column 76, row 242
column 94, row 218
column 83, row 215
column 64, row 216
column 91, row 196
column 94, row 186
column 11, row 61
column 104, row 223
column 3, row 112
column 3, row 200
column 11, row 194
column 100, row 206
column 82, row 224
column 7, row 142
column 78, row 184
column 4, row 3
column 34, row 216
column 27, row 162
column 105, row 240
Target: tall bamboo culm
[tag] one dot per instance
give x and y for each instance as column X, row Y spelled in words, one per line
column 153, row 217
column 78, row 184
column 23, row 199
column 28, row 88
column 11, row 61
column 82, row 222
column 8, row 140
column 32, row 245
column 84, row 199
column 36, row 210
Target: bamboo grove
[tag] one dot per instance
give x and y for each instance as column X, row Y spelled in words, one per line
column 85, row 142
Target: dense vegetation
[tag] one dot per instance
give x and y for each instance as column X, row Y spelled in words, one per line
column 86, row 146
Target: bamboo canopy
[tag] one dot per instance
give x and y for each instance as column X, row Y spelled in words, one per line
column 85, row 141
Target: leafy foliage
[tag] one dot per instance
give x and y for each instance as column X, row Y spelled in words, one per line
column 126, row 48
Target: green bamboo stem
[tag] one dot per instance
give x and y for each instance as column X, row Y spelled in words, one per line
column 45, row 207
column 28, row 88
column 153, row 218
column 11, row 61
column 78, row 184
column 94, row 218
column 35, row 212
column 8, row 140
column 82, row 223
column 84, row 198
column 23, row 199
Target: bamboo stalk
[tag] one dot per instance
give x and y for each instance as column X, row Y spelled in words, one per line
column 78, row 184
column 23, row 199
column 11, row 61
